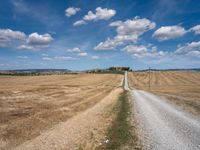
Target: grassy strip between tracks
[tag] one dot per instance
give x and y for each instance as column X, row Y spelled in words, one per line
column 121, row 134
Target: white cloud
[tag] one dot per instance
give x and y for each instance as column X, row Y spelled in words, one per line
column 79, row 22
column 16, row 35
column 192, row 48
column 100, row 14
column 26, row 47
column 127, row 31
column 169, row 32
column 7, row 36
column 135, row 26
column 78, row 51
column 64, row 58
column 194, row 53
column 36, row 41
column 59, row 58
column 115, row 23
column 135, row 50
column 74, row 50
column 82, row 54
column 140, row 51
column 71, row 11
column 149, row 51
column 110, row 44
column 195, row 29
column 95, row 57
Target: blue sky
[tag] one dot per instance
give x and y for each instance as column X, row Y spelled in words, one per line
column 78, row 35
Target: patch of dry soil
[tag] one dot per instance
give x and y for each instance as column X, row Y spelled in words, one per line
column 82, row 131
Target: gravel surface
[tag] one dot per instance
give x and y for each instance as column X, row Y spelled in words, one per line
column 126, row 86
column 163, row 126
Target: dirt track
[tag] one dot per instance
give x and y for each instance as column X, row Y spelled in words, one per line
column 31, row 105
column 162, row 125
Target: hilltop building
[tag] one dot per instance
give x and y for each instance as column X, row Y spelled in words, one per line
column 119, row 68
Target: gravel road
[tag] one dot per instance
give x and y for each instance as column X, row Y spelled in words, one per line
column 163, row 126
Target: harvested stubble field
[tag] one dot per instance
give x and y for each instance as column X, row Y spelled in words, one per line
column 30, row 105
column 181, row 87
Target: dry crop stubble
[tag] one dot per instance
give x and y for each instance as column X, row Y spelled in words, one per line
column 30, row 105
column 180, row 87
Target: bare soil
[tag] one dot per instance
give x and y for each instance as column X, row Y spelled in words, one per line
column 32, row 105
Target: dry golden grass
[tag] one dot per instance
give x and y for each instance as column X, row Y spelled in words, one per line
column 182, row 87
column 29, row 105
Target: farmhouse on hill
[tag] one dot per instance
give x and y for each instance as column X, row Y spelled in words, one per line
column 119, row 68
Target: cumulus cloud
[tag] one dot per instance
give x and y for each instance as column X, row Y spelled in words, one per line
column 100, row 14
column 79, row 22
column 127, row 31
column 7, row 36
column 195, row 29
column 8, row 33
column 140, row 51
column 118, row 40
column 36, row 41
column 192, row 49
column 135, row 26
column 71, row 11
column 109, row 44
column 169, row 32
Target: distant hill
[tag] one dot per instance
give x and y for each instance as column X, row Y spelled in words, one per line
column 115, row 70
column 118, row 70
column 34, row 71
column 192, row 69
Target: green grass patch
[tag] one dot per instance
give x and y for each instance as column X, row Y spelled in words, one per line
column 119, row 134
